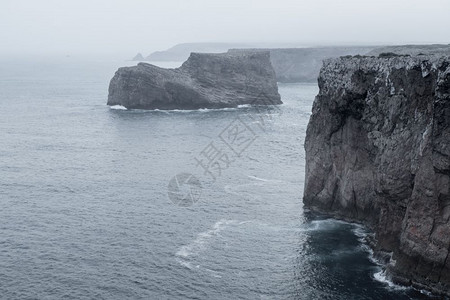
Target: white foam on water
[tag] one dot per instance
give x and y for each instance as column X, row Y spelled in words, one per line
column 118, row 107
column 218, row 109
column 185, row 263
column 242, row 190
column 264, row 180
column 427, row 293
column 161, row 110
column 327, row 224
column 182, row 110
column 383, row 278
column 213, row 273
column 370, row 254
column 362, row 234
column 201, row 242
column 168, row 111
column 245, row 222
column 381, row 275
column 243, row 193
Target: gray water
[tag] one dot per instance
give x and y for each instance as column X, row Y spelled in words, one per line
column 85, row 212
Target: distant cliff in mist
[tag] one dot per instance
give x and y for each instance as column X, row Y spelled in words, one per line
column 291, row 64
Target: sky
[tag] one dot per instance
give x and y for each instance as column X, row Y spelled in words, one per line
column 69, row 27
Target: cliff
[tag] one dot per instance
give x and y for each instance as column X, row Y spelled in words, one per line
column 290, row 64
column 434, row 49
column 203, row 81
column 378, row 152
column 303, row 64
column 181, row 52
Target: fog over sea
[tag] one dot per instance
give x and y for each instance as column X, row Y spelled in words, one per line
column 85, row 212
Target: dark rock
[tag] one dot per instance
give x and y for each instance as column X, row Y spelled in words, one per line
column 388, row 54
column 203, row 81
column 378, row 152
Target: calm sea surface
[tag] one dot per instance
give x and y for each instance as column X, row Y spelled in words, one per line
column 85, row 211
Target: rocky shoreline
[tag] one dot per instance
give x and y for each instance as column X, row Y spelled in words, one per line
column 378, row 152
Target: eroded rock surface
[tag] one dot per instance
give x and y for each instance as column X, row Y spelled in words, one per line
column 203, row 81
column 378, row 152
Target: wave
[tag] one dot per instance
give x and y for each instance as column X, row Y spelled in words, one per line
column 362, row 235
column 244, row 105
column 321, row 225
column 185, row 264
column 118, row 107
column 201, row 242
column 382, row 277
column 264, row 180
column 167, row 111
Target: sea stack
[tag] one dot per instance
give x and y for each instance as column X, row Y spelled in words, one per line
column 138, row 57
column 203, row 81
column 378, row 152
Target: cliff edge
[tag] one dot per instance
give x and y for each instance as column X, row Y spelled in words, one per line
column 203, row 81
column 378, row 152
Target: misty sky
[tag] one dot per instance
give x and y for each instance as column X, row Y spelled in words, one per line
column 131, row 26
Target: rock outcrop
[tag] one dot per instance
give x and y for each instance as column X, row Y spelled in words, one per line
column 378, row 152
column 138, row 57
column 203, row 81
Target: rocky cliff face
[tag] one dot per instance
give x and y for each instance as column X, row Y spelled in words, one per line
column 378, row 152
column 203, row 81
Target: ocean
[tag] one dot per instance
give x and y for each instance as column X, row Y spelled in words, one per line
column 106, row 203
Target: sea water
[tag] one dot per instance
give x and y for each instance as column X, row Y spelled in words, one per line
column 86, row 211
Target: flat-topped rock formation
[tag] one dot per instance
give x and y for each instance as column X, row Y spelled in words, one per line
column 378, row 152
column 203, row 81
